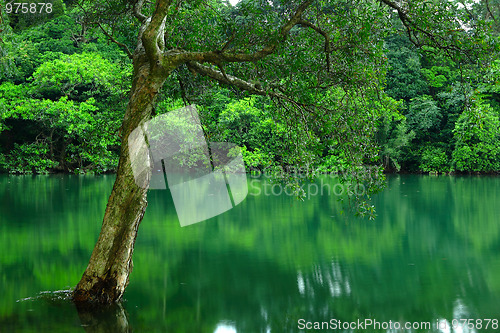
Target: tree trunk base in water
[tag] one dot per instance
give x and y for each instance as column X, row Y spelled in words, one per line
column 103, row 291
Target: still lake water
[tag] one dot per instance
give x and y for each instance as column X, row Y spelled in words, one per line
column 432, row 254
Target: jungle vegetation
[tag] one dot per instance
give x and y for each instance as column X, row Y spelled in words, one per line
column 64, row 87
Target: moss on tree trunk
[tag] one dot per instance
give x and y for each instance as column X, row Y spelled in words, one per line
column 107, row 274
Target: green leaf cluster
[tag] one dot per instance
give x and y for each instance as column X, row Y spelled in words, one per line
column 477, row 139
column 66, row 116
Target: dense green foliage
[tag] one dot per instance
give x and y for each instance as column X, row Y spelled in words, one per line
column 451, row 114
column 60, row 105
column 63, row 91
column 477, row 138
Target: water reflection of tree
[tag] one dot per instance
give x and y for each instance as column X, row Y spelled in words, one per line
column 110, row 319
column 407, row 265
column 271, row 260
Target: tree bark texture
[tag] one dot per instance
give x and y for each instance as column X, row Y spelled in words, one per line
column 107, row 274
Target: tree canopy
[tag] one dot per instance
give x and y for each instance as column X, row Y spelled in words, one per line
column 327, row 71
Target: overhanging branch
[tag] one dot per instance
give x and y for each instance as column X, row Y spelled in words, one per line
column 252, row 88
column 225, row 78
column 216, row 57
column 111, row 38
column 437, row 41
column 490, row 12
column 325, row 36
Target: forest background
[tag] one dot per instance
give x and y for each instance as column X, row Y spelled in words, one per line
column 64, row 86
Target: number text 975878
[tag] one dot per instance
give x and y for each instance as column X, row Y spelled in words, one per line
column 28, row 7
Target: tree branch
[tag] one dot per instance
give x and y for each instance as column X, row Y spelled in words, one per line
column 325, row 35
column 152, row 37
column 123, row 46
column 489, row 11
column 137, row 11
column 412, row 27
column 1, row 22
column 225, row 78
column 221, row 56
column 252, row 88
column 183, row 90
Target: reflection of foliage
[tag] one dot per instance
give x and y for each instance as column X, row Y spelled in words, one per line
column 274, row 255
column 470, row 221
column 42, row 202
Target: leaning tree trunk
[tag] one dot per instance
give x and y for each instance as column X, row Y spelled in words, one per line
column 107, row 273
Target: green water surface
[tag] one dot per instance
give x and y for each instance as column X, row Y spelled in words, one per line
column 432, row 254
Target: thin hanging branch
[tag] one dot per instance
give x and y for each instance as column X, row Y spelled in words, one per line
column 325, row 36
column 112, row 39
